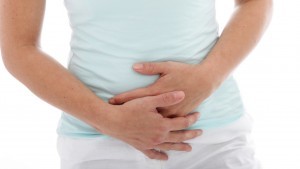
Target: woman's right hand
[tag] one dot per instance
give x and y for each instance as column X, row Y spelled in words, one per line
column 138, row 123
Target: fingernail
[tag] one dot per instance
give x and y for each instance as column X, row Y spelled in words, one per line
column 138, row 66
column 191, row 121
column 199, row 132
column 179, row 95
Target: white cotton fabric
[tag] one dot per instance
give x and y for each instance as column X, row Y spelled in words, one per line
column 229, row 147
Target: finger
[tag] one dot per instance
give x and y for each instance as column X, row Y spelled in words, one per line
column 151, row 68
column 182, row 135
column 180, row 123
column 127, row 96
column 174, row 146
column 165, row 99
column 154, row 154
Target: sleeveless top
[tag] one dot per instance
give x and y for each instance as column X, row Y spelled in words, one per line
column 109, row 36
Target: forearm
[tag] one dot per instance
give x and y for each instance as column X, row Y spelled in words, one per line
column 50, row 81
column 238, row 38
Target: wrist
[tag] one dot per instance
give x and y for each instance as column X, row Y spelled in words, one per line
column 213, row 73
column 101, row 115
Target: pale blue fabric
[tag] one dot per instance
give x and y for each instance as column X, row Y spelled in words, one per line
column 109, row 36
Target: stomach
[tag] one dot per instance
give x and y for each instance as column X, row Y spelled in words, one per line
column 109, row 72
column 109, row 36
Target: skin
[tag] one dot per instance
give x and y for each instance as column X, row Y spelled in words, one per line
column 21, row 53
column 20, row 29
column 199, row 81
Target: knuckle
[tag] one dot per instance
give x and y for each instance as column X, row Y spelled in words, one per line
column 189, row 135
column 154, row 141
column 178, row 146
column 186, row 148
column 175, row 146
column 181, row 147
column 150, row 67
column 169, row 97
column 166, row 98
column 169, row 147
column 177, row 138
column 186, row 123
column 157, row 140
column 163, row 128
column 181, row 138
column 152, row 89
column 148, row 146
column 151, row 155
column 117, row 99
column 168, row 65
column 196, row 133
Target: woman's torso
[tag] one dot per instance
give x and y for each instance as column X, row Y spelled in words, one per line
column 109, row 36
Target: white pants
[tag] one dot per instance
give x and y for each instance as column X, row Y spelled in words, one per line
column 228, row 147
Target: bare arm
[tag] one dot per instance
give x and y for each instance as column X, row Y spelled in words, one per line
column 21, row 23
column 20, row 28
column 238, row 38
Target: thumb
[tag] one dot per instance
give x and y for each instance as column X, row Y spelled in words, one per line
column 150, row 68
column 166, row 99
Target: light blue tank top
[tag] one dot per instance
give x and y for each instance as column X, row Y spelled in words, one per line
column 109, row 36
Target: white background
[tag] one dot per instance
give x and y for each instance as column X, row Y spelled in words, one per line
column 269, row 81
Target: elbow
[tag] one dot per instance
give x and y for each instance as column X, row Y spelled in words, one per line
column 7, row 58
column 12, row 58
column 18, row 59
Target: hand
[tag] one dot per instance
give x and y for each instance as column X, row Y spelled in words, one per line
column 138, row 123
column 194, row 80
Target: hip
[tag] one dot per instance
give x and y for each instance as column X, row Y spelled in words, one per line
column 222, row 147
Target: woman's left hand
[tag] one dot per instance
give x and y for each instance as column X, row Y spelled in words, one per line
column 195, row 80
